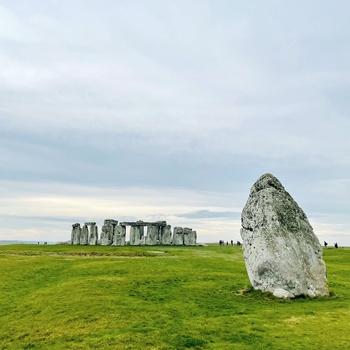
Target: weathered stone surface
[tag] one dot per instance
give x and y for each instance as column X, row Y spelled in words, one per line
column 93, row 233
column 165, row 235
column 84, row 235
column 178, row 236
column 112, row 221
column 282, row 254
column 187, row 233
column 119, row 235
column 193, row 238
column 75, row 236
column 107, row 231
column 152, row 235
column 136, row 235
column 190, row 236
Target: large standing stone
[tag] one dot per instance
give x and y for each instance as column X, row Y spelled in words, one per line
column 282, row 254
column 187, row 233
column 93, row 233
column 84, row 235
column 119, row 235
column 152, row 235
column 107, row 231
column 178, row 236
column 165, row 235
column 136, row 235
column 193, row 238
column 75, row 236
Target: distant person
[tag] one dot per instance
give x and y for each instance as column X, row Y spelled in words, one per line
column 238, row 243
column 336, row 245
column 226, row 243
column 325, row 244
column 231, row 242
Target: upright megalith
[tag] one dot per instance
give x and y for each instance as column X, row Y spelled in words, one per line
column 187, row 235
column 93, row 233
column 84, row 235
column 281, row 252
column 178, row 236
column 75, row 236
column 136, row 234
column 107, row 231
column 152, row 234
column 119, row 235
column 193, row 238
column 165, row 235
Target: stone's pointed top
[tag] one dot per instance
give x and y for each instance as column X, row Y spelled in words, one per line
column 267, row 181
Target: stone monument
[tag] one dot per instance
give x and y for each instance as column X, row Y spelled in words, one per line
column 119, row 235
column 165, row 235
column 84, row 235
column 158, row 232
column 178, row 236
column 75, row 236
column 187, row 235
column 107, row 231
column 281, row 252
column 152, row 235
column 193, row 238
column 136, row 233
column 93, row 233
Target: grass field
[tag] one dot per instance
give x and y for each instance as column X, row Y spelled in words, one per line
column 73, row 297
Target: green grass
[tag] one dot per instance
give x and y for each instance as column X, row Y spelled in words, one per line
column 71, row 297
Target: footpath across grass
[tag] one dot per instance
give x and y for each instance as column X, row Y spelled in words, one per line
column 73, row 297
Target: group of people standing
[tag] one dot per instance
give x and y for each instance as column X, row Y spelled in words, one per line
column 326, row 244
column 222, row 242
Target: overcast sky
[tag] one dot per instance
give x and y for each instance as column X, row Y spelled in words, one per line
column 171, row 110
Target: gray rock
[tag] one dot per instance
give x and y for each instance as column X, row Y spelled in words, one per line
column 282, row 254
column 136, row 235
column 152, row 235
column 165, row 235
column 143, row 223
column 282, row 293
column 93, row 233
column 193, row 238
column 178, row 236
column 75, row 236
column 119, row 235
column 107, row 231
column 187, row 236
column 84, row 235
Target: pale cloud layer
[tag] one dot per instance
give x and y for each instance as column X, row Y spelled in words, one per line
column 171, row 110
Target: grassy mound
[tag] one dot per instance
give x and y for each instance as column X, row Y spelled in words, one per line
column 72, row 297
